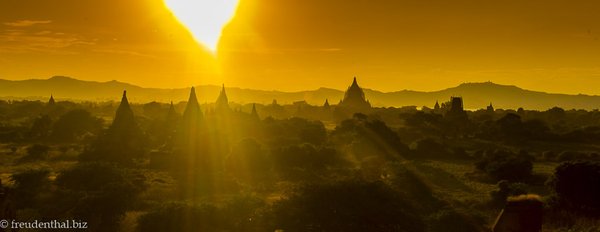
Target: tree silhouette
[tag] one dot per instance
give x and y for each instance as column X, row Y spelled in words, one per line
column 28, row 187
column 75, row 124
column 98, row 193
column 346, row 206
column 41, row 127
column 506, row 165
column 576, row 186
column 36, row 152
column 248, row 161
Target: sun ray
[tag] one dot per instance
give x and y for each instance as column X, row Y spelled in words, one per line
column 205, row 19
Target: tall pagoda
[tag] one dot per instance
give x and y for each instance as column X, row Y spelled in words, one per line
column 222, row 103
column 192, row 110
column 354, row 98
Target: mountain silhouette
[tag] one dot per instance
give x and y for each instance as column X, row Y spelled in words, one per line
column 475, row 95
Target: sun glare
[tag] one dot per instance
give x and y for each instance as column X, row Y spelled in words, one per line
column 204, row 18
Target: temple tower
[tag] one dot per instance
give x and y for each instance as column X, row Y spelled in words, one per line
column 222, row 103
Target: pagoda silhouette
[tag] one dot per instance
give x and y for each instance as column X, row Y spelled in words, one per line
column 254, row 114
column 122, row 143
column 51, row 100
column 222, row 103
column 355, row 97
column 354, row 102
column 192, row 115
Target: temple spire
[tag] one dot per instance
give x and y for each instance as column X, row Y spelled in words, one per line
column 355, row 98
column 124, row 116
column 192, row 99
column 254, row 114
column 124, row 98
column 172, row 113
column 192, row 109
column 222, row 103
column 354, row 83
column 51, row 101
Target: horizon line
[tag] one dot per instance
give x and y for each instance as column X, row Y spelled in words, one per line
column 286, row 91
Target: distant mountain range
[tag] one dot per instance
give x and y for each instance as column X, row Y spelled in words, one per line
column 475, row 95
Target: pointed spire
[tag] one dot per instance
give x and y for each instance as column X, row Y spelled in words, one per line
column 354, row 97
column 222, row 103
column 326, row 105
column 172, row 113
column 51, row 101
column 192, row 109
column 192, row 97
column 254, row 114
column 354, row 84
column 124, row 116
column 436, row 106
column 171, row 108
column 124, row 98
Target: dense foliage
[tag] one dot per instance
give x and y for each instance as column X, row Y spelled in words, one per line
column 506, row 165
column 290, row 167
column 576, row 186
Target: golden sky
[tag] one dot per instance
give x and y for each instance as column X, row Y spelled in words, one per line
column 547, row 45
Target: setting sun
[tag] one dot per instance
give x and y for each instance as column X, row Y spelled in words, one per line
column 300, row 115
column 204, row 18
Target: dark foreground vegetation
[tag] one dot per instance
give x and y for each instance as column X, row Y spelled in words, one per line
column 186, row 167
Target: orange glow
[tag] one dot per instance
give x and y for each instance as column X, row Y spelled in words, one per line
column 301, row 45
column 204, row 18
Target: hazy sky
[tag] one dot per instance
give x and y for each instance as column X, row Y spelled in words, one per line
column 546, row 45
